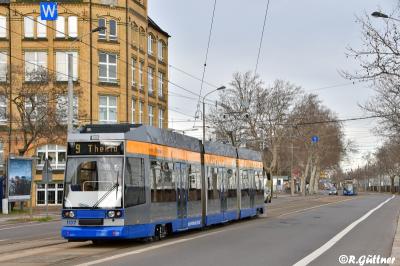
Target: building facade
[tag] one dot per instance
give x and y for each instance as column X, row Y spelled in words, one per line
column 121, row 72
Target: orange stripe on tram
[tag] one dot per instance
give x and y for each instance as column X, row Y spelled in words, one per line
column 161, row 151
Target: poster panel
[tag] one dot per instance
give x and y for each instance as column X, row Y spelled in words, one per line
column 19, row 179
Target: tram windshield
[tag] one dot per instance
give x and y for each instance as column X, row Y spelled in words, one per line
column 348, row 187
column 93, row 182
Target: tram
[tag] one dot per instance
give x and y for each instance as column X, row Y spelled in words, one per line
column 136, row 181
column 349, row 188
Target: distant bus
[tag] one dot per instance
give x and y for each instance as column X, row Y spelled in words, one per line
column 349, row 188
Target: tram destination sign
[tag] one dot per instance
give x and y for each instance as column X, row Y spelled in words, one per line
column 96, row 148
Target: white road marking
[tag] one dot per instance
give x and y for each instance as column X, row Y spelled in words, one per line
column 138, row 251
column 314, row 207
column 25, row 225
column 318, row 252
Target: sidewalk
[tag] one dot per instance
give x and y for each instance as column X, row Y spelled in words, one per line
column 38, row 213
column 396, row 245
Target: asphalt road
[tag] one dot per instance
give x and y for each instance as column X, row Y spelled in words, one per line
column 283, row 239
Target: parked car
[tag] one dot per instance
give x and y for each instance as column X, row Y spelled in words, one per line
column 333, row 191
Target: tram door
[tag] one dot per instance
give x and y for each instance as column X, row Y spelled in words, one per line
column 182, row 192
column 252, row 188
column 224, row 190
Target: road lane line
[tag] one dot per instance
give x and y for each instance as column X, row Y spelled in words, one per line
column 138, row 251
column 318, row 252
column 314, row 207
column 25, row 225
column 142, row 250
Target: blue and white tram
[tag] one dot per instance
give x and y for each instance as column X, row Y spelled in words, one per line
column 135, row 181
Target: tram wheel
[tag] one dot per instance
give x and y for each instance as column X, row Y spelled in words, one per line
column 157, row 233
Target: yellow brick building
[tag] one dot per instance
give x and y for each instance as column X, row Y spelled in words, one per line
column 121, row 72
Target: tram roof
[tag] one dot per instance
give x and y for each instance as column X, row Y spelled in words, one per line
column 248, row 154
column 221, row 149
column 137, row 132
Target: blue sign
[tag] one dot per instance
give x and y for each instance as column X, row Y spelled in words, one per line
column 48, row 11
column 314, row 139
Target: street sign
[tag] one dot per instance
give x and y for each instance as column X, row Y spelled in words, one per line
column 47, row 173
column 314, row 139
column 48, row 11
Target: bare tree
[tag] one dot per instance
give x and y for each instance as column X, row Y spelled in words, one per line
column 254, row 115
column 379, row 59
column 39, row 105
column 311, row 118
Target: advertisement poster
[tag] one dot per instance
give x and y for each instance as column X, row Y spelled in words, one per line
column 19, row 179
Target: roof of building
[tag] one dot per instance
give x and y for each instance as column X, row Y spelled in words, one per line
column 155, row 26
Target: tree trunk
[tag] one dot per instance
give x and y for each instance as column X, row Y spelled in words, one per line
column 312, row 179
column 392, row 184
column 304, row 177
column 316, row 180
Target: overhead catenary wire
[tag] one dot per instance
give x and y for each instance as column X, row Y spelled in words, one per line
column 262, row 37
column 206, row 59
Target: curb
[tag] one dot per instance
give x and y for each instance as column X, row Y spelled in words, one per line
column 396, row 245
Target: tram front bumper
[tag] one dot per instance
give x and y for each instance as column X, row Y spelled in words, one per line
column 106, row 232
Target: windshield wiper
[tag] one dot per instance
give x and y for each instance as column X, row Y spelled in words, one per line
column 116, row 185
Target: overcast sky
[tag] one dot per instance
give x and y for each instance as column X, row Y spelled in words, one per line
column 304, row 42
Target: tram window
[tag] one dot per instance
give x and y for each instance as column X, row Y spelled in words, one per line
column 213, row 191
column 230, row 182
column 245, row 183
column 156, row 181
column 194, row 182
column 162, row 182
column 259, row 182
column 134, row 182
column 169, row 182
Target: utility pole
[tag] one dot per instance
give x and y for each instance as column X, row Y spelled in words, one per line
column 291, row 166
column 70, row 92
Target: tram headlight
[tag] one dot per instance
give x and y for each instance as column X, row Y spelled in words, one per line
column 68, row 214
column 111, row 214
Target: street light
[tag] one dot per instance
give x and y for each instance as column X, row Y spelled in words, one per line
column 378, row 14
column 70, row 78
column 204, row 110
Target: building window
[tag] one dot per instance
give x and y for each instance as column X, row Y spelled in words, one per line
column 160, row 84
column 141, row 75
column 140, row 112
column 102, row 33
column 60, row 27
column 150, row 80
column 35, row 105
column 3, row 66
column 41, row 28
column 62, row 66
column 28, row 26
column 62, row 109
column 133, row 68
column 73, row 26
column 113, row 30
column 160, row 50
column 150, row 114
column 108, row 67
column 56, row 154
column 3, row 109
column 3, row 27
column 160, row 118
column 150, row 44
column 108, row 109
column 51, row 193
column 35, row 63
column 133, row 111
